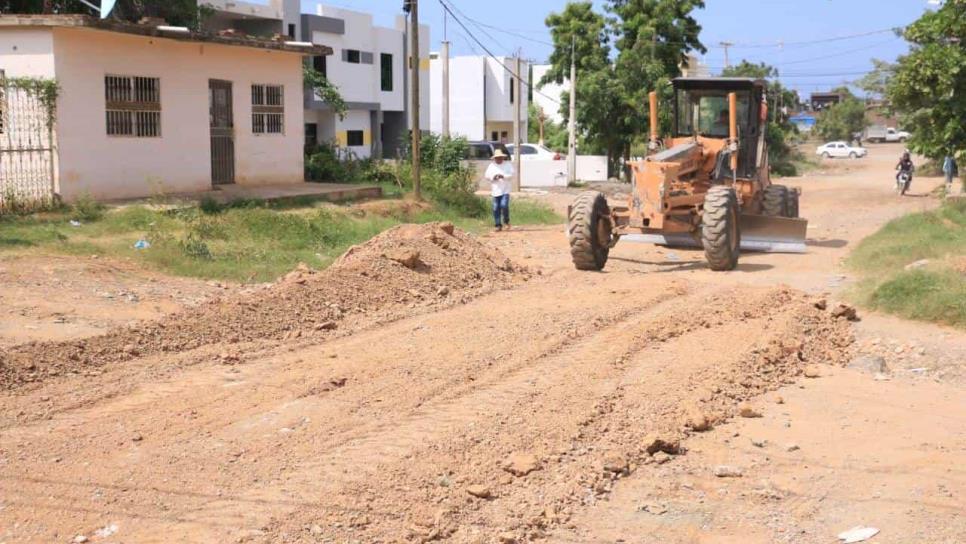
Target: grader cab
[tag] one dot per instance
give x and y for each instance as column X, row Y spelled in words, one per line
column 705, row 185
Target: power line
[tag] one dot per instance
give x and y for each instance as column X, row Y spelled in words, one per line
column 446, row 7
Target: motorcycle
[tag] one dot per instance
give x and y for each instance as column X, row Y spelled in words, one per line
column 903, row 182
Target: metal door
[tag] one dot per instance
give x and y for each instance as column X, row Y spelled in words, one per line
column 222, row 132
column 26, row 149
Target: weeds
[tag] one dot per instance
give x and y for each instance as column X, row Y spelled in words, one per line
column 935, row 291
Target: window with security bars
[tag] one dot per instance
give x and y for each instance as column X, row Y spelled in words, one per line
column 133, row 106
column 268, row 109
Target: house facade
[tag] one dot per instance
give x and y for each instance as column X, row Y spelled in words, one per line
column 550, row 97
column 369, row 67
column 483, row 96
column 144, row 109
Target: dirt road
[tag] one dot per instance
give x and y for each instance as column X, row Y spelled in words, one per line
column 521, row 403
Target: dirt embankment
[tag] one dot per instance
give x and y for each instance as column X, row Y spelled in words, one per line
column 404, row 270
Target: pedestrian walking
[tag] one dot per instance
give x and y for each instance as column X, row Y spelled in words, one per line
column 499, row 173
column 951, row 170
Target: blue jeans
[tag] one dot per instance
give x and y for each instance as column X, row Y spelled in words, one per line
column 501, row 206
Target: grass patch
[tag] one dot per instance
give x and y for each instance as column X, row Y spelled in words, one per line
column 934, row 292
column 248, row 241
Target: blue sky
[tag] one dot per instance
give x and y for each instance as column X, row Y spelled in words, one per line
column 755, row 26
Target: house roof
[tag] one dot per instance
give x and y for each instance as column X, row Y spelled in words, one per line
column 152, row 30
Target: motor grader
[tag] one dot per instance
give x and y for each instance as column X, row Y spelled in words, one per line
column 706, row 185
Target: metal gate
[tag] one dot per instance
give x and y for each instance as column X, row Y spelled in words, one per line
column 222, row 132
column 26, row 149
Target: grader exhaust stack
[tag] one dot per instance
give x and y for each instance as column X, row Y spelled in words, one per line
column 707, row 185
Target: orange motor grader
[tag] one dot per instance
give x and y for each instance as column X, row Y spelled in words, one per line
column 707, row 185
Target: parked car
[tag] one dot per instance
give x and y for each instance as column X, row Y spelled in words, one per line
column 878, row 133
column 535, row 152
column 483, row 151
column 840, row 150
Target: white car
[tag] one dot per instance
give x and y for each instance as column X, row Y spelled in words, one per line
column 529, row 152
column 840, row 150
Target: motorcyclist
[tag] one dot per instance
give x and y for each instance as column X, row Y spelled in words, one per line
column 905, row 165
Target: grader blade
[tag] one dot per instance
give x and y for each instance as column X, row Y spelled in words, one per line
column 758, row 233
column 773, row 234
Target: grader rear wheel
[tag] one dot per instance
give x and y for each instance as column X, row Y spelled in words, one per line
column 792, row 210
column 775, row 201
column 720, row 230
column 589, row 229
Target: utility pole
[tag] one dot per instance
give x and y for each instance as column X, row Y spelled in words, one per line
column 726, row 45
column 445, row 47
column 542, row 118
column 414, row 76
column 571, row 122
column 517, row 123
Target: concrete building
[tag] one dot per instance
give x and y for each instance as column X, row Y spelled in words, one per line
column 368, row 66
column 694, row 67
column 146, row 108
column 483, row 97
column 550, row 97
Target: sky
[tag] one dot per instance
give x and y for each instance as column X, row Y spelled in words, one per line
column 777, row 32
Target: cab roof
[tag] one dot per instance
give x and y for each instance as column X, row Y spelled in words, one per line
column 718, row 83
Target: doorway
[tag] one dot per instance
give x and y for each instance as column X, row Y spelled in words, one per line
column 222, row 123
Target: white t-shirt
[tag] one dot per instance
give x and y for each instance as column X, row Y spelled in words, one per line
column 502, row 186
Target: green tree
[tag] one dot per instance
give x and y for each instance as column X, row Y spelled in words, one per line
column 652, row 38
column 929, row 84
column 555, row 136
column 779, row 130
column 176, row 12
column 842, row 120
column 876, row 82
column 325, row 89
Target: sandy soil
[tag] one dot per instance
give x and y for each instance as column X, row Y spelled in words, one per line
column 525, row 402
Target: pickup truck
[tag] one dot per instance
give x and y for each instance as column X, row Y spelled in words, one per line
column 883, row 134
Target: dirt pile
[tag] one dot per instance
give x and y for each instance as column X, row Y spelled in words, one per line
column 403, row 270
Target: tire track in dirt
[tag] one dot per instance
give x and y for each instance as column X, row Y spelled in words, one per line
column 454, row 443
column 203, row 413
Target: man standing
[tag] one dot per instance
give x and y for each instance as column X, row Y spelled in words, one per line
column 951, row 170
column 499, row 173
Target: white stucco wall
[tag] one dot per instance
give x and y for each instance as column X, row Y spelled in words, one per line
column 548, row 92
column 355, row 120
column 467, row 107
column 180, row 160
column 27, row 52
column 498, row 105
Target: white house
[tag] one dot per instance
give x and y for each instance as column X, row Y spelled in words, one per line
column 550, row 96
column 368, row 66
column 145, row 108
column 483, row 96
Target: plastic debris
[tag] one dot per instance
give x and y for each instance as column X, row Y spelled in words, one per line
column 75, row 223
column 142, row 244
column 858, row 534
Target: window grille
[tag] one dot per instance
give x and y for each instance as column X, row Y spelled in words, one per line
column 268, row 109
column 133, row 106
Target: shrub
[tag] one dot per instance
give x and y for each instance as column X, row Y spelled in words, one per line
column 85, row 208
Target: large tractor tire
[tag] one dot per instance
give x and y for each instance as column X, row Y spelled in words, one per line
column 775, row 201
column 589, row 231
column 720, row 229
column 792, row 207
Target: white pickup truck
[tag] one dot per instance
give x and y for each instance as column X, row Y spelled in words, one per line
column 883, row 134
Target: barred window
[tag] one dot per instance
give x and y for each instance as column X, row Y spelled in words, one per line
column 268, row 109
column 133, row 106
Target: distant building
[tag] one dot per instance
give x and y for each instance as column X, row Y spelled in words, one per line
column 694, row 67
column 823, row 101
column 369, row 68
column 144, row 108
column 550, row 98
column 483, row 97
column 803, row 121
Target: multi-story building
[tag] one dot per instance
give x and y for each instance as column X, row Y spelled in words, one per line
column 550, row 95
column 368, row 67
column 483, row 95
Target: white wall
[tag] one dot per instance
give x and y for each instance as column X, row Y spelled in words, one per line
column 467, row 106
column 355, row 120
column 27, row 52
column 498, row 105
column 180, row 160
column 548, row 92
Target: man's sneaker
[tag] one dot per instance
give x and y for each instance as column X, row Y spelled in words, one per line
column 498, row 228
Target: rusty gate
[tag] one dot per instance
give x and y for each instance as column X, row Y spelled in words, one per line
column 26, row 149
